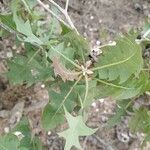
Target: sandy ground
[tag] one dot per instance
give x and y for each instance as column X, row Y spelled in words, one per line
column 99, row 21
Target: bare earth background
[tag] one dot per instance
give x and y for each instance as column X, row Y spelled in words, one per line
column 99, row 21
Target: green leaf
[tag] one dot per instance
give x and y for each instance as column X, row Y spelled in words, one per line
column 116, row 118
column 19, row 71
column 77, row 128
column 60, row 50
column 27, row 142
column 31, row 3
column 120, row 61
column 140, row 121
column 23, row 127
column 65, row 29
column 78, row 43
column 146, row 29
column 129, row 89
column 36, row 144
column 146, row 141
column 23, row 148
column 24, row 27
column 91, row 95
column 54, row 27
column 30, row 69
column 53, row 113
column 9, row 142
column 121, row 109
column 47, row 121
column 7, row 19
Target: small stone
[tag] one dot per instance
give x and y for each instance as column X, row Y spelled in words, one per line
column 98, row 42
column 9, row 54
column 97, row 110
column 104, row 119
column 49, row 133
column 14, row 47
column 105, row 112
column 6, row 130
column 85, row 34
column 138, row 7
column 112, row 43
column 92, row 17
column 68, row 44
column 94, row 104
column 22, row 44
column 47, row 6
column 43, row 86
column 90, row 29
column 101, row 100
column 145, row 6
column 86, row 26
column 19, row 135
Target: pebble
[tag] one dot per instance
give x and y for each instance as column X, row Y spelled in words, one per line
column 104, row 119
column 98, row 42
column 6, row 130
column 97, row 110
column 94, row 104
column 92, row 17
column 43, row 86
column 49, row 133
column 90, row 29
column 14, row 47
column 101, row 100
column 19, row 135
column 9, row 54
column 138, row 7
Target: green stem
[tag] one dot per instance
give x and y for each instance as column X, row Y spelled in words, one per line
column 146, row 69
column 69, row 60
column 113, row 64
column 113, row 85
column 81, row 102
column 33, row 56
column 132, row 100
column 3, row 147
column 67, row 95
column 87, row 88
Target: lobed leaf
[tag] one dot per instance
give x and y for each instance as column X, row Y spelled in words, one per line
column 140, row 121
column 77, row 128
column 23, row 27
column 129, row 89
column 53, row 113
column 120, row 61
column 28, row 69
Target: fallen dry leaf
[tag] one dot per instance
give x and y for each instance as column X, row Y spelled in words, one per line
column 4, row 113
column 62, row 71
column 16, row 114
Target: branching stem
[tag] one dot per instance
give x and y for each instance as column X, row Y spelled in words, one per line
column 67, row 4
column 66, row 58
column 52, row 13
column 63, row 11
